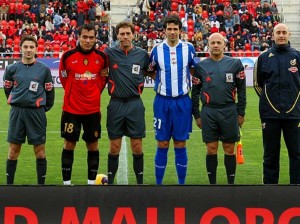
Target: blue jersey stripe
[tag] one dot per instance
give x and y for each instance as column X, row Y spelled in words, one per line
column 167, row 69
column 180, row 67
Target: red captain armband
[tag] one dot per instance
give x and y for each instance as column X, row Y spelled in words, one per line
column 7, row 84
column 195, row 80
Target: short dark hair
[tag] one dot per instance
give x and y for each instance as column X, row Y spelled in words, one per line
column 28, row 38
column 124, row 24
column 87, row 27
column 173, row 18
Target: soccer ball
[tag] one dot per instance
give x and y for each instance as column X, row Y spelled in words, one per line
column 101, row 179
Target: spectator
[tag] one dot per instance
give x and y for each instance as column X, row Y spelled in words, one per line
column 57, row 37
column 48, row 51
column 2, row 37
column 198, row 25
column 255, row 43
column 2, row 50
column 48, row 36
column 236, row 21
column 144, row 43
column 136, row 10
column 64, row 37
column 8, row 51
column 48, row 24
column 228, row 24
column 71, row 42
column 136, row 42
column 239, row 42
column 3, row 11
column 66, row 20
column 98, row 11
column 106, row 5
column 57, row 21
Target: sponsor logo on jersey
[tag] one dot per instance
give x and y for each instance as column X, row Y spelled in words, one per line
column 293, row 69
column 85, row 76
column 271, row 55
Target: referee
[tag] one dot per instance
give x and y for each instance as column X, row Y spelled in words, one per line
column 126, row 111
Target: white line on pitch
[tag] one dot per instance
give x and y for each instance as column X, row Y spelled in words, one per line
column 122, row 176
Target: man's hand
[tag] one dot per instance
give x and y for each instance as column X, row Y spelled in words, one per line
column 199, row 123
column 241, row 120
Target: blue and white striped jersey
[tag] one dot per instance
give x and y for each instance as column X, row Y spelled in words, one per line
column 172, row 65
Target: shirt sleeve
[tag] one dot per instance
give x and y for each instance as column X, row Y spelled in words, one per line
column 49, row 88
column 196, row 91
column 8, row 81
column 241, row 89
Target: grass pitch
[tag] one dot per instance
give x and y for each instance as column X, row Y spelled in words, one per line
column 248, row 173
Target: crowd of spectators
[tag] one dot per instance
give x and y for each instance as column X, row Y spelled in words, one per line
column 54, row 23
column 246, row 25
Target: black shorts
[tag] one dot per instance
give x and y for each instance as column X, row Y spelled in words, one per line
column 126, row 117
column 220, row 124
column 30, row 122
column 71, row 126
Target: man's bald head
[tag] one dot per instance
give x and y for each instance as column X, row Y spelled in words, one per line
column 281, row 34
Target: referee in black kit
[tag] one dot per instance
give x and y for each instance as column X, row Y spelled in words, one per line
column 126, row 111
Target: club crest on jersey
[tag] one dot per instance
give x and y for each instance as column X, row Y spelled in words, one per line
column 85, row 61
column 33, row 86
column 136, row 69
column 48, row 86
column 64, row 73
column 229, row 77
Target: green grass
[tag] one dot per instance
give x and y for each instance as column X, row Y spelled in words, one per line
column 248, row 173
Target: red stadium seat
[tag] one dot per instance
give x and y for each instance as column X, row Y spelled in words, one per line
column 247, row 46
column 190, row 22
column 256, row 53
column 248, row 53
column 40, row 47
column 174, row 6
column 41, row 41
column 56, row 50
column 191, row 28
column 4, row 23
column 16, row 42
column 9, row 41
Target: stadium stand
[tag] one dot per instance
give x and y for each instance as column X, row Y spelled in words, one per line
column 246, row 24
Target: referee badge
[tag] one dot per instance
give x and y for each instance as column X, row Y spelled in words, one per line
column 229, row 77
column 136, row 69
column 33, row 86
